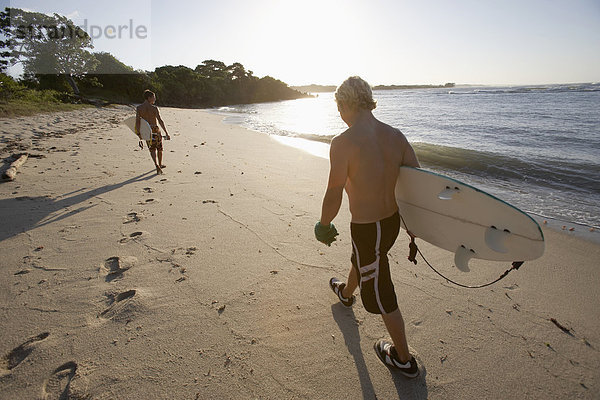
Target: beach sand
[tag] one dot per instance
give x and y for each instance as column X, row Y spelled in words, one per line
column 206, row 282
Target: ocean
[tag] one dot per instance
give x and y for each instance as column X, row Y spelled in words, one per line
column 536, row 147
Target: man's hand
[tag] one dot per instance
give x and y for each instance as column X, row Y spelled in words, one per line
column 167, row 136
column 325, row 233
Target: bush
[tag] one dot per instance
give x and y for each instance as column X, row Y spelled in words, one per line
column 17, row 99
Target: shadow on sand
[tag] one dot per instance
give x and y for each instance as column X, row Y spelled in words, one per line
column 21, row 214
column 406, row 388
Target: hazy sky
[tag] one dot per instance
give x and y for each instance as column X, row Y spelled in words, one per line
column 386, row 42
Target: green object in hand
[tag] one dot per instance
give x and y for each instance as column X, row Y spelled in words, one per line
column 325, row 233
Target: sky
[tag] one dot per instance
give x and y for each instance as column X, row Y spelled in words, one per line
column 495, row 42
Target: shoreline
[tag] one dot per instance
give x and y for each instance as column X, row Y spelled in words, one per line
column 320, row 149
column 517, row 158
column 125, row 284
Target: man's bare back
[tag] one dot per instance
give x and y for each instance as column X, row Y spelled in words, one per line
column 376, row 152
column 149, row 112
column 365, row 160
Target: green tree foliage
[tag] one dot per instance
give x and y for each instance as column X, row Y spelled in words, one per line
column 55, row 54
column 4, row 42
column 268, row 88
column 10, row 90
column 47, row 45
column 17, row 99
column 115, row 81
column 109, row 64
column 214, row 83
column 212, row 69
column 178, row 86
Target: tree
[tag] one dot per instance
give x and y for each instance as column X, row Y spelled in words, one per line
column 47, row 45
column 115, row 80
column 271, row 89
column 4, row 43
column 56, row 53
column 212, row 69
column 109, row 64
column 236, row 71
column 180, row 85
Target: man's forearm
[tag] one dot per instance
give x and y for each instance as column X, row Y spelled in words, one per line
column 331, row 205
column 162, row 125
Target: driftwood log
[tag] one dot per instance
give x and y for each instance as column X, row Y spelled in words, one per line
column 11, row 172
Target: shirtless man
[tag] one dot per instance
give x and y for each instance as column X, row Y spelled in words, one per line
column 365, row 160
column 149, row 112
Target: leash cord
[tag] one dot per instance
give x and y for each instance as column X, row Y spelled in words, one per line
column 515, row 265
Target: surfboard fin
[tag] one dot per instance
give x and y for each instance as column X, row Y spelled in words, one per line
column 448, row 193
column 496, row 239
column 462, row 257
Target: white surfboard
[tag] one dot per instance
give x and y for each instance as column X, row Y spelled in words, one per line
column 145, row 130
column 465, row 220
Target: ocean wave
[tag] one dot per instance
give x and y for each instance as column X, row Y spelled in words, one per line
column 314, row 137
column 233, row 110
column 552, row 174
column 587, row 87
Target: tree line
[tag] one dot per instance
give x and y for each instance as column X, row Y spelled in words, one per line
column 56, row 55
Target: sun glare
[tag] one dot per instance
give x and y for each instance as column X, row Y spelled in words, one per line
column 302, row 36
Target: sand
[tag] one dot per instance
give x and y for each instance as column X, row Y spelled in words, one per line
column 206, row 282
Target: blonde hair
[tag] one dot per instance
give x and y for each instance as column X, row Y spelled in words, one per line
column 355, row 92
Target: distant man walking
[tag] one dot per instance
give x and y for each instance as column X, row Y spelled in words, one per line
column 365, row 161
column 149, row 112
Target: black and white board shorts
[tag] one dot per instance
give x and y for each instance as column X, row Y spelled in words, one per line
column 370, row 245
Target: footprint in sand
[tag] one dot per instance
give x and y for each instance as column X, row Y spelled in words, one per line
column 148, row 201
column 114, row 267
column 120, row 307
column 133, row 217
column 134, row 236
column 20, row 353
column 58, row 385
column 148, row 190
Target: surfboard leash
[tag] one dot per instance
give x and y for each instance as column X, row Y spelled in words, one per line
column 413, row 249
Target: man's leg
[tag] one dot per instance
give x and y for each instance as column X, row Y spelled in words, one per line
column 160, row 164
column 153, row 155
column 351, row 284
column 395, row 326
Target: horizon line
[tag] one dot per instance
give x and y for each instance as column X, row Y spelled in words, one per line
column 464, row 84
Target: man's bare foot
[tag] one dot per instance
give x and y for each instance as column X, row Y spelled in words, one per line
column 163, row 166
column 159, row 171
